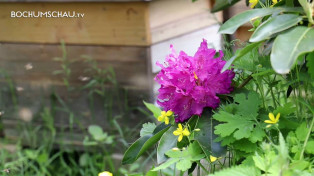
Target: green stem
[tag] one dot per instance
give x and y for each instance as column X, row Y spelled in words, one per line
column 199, row 163
column 306, row 139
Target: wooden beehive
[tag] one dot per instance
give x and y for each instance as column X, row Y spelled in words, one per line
column 115, row 33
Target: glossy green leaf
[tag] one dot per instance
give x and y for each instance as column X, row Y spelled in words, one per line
column 167, row 142
column 222, row 4
column 154, row 109
column 230, row 26
column 274, row 25
column 308, row 8
column 240, row 53
column 289, row 46
column 143, row 143
column 205, row 137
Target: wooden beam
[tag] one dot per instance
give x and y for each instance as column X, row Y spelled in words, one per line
column 103, row 24
column 172, row 18
column 129, row 63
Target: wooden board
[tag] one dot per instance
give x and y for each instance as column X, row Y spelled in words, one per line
column 130, row 63
column 172, row 18
column 103, row 23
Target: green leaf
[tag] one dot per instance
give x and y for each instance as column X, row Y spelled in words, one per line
column 148, row 128
column 241, row 127
column 235, row 22
column 310, row 147
column 289, row 46
column 184, row 157
column 310, row 64
column 274, row 25
column 245, row 145
column 222, row 4
column 240, row 54
column 155, row 110
column 151, row 173
column 97, row 132
column 167, row 142
column 142, row 144
column 206, row 136
column 184, row 165
column 302, row 131
column 238, row 171
column 166, row 164
column 286, row 109
column 299, row 164
column 308, row 8
column 247, row 105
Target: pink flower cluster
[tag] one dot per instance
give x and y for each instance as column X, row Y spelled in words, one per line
column 189, row 84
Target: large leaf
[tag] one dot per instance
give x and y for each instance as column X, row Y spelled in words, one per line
column 154, row 109
column 308, row 8
column 235, row 22
column 143, row 143
column 274, row 25
column 222, row 4
column 167, row 142
column 206, row 136
column 289, row 46
column 239, row 54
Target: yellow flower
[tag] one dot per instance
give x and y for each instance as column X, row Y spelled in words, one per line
column 212, row 158
column 105, row 173
column 274, row 2
column 253, row 3
column 181, row 132
column 272, row 118
column 164, row 117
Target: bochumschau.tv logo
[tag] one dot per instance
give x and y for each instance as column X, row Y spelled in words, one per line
column 47, row 14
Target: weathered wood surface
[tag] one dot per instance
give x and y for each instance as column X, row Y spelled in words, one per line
column 172, row 18
column 129, row 63
column 104, row 23
column 242, row 32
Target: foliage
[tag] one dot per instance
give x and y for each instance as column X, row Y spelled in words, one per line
column 242, row 132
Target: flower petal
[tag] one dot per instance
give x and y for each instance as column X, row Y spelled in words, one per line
column 177, row 133
column 160, row 118
column 186, row 132
column 166, row 120
column 271, row 116
column 179, row 126
column 277, row 117
column 169, row 113
column 269, row 121
column 180, row 138
column 212, row 158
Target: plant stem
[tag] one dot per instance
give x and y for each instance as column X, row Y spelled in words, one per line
column 247, row 80
column 306, row 139
column 199, row 163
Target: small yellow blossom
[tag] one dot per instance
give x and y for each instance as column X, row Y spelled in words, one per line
column 181, row 132
column 197, row 129
column 272, row 118
column 164, row 117
column 105, row 173
column 212, row 158
column 253, row 3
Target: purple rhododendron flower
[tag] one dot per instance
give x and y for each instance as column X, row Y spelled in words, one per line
column 188, row 84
